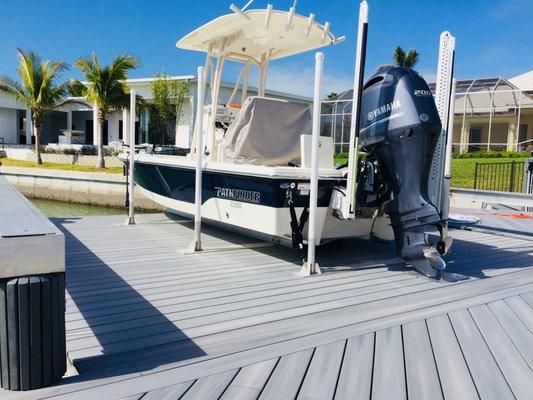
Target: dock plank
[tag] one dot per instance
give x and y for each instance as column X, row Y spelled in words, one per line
column 421, row 371
column 250, row 380
column 355, row 378
column 389, row 373
column 487, row 376
column 287, row 377
column 521, row 310
column 211, row 387
column 454, row 374
column 514, row 368
column 321, row 377
column 515, row 329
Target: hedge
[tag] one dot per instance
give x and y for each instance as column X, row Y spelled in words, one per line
column 494, row 154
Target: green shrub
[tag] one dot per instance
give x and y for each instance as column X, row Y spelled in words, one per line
column 493, row 154
column 88, row 150
column 70, row 151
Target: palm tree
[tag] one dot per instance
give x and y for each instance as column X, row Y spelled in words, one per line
column 405, row 59
column 104, row 87
column 37, row 89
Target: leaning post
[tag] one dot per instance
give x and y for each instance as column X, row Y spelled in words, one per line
column 311, row 267
column 197, row 244
column 131, row 166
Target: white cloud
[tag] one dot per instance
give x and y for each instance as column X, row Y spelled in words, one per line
column 297, row 80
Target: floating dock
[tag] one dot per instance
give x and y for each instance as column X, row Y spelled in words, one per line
column 146, row 322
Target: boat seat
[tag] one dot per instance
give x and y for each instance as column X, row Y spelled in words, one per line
column 267, row 132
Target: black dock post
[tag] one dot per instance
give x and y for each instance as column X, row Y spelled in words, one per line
column 32, row 331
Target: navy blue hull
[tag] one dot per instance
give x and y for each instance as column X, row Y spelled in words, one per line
column 178, row 183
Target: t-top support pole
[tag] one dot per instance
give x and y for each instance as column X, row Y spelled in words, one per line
column 131, row 166
column 197, row 244
column 311, row 267
column 348, row 204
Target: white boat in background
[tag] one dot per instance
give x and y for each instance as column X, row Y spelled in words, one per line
column 256, row 174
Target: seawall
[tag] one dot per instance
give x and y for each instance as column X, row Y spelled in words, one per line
column 103, row 189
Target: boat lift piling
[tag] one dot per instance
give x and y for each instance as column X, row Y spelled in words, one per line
column 197, row 244
column 448, row 158
column 131, row 184
column 348, row 204
column 311, row 267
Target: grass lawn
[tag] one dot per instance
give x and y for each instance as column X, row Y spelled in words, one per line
column 9, row 162
column 462, row 168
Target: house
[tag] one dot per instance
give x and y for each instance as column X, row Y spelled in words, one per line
column 494, row 114
column 489, row 114
column 76, row 114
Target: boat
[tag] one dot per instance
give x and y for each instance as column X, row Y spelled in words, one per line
column 255, row 171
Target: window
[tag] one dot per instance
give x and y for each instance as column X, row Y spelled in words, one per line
column 474, row 139
column 522, row 133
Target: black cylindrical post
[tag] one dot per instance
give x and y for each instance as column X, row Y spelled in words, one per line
column 32, row 331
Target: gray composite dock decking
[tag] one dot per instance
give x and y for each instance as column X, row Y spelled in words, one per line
column 144, row 321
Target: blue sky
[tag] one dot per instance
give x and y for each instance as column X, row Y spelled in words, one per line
column 494, row 37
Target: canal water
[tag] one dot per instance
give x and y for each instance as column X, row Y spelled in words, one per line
column 63, row 209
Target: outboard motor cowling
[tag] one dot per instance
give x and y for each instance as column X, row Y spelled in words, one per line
column 399, row 129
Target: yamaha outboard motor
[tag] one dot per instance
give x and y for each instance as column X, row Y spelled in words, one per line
column 399, row 129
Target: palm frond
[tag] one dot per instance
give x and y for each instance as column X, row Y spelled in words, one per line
column 27, row 70
column 399, row 56
column 13, row 89
column 105, row 85
column 77, row 89
column 118, row 70
column 411, row 58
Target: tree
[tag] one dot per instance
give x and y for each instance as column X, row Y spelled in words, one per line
column 37, row 90
column 405, row 59
column 105, row 87
column 167, row 107
column 332, row 95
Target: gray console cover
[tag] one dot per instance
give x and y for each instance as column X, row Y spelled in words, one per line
column 267, row 132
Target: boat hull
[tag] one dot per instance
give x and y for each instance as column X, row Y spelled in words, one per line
column 255, row 205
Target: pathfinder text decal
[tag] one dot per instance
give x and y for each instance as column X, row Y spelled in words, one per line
column 239, row 194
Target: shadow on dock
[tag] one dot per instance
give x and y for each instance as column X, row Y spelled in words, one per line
column 79, row 284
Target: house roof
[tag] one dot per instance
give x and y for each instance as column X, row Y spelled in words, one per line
column 523, row 81
column 479, row 95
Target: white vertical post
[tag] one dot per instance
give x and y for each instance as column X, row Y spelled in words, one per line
column 448, row 158
column 490, row 121
column 348, row 205
column 449, row 138
column 311, row 267
column 518, row 122
column 29, row 128
column 69, row 120
column 126, row 126
column 442, row 101
column 96, row 126
column 131, row 208
column 197, row 245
